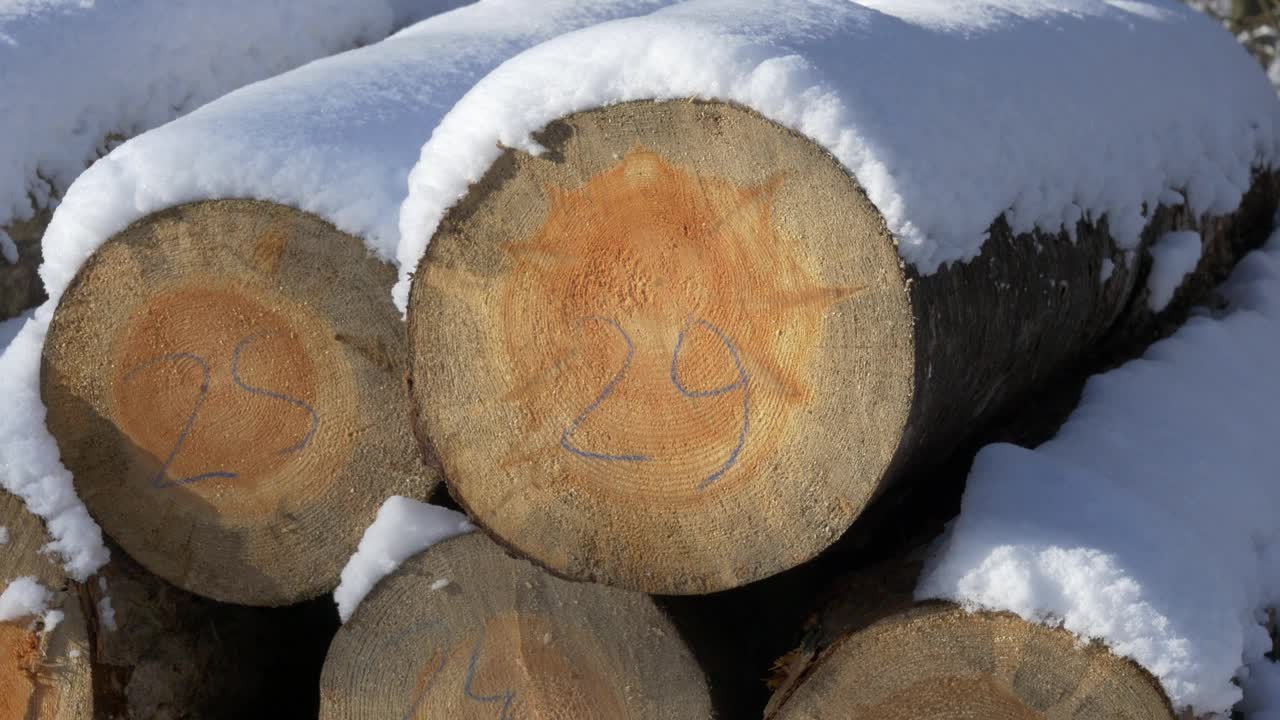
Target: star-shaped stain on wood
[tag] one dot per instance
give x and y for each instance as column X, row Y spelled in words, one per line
column 659, row 327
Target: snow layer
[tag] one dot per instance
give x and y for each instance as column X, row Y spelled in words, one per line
column 1149, row 521
column 24, row 597
column 402, row 529
column 948, row 112
column 74, row 71
column 1261, row 692
column 336, row 138
column 4, row 535
column 1173, row 257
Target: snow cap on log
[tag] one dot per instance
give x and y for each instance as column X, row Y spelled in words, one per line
column 876, row 655
column 948, row 113
column 291, row 277
column 1149, row 521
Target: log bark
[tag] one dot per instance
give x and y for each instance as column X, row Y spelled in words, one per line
column 225, row 382
column 465, row 631
column 678, row 352
column 20, row 286
column 171, row 655
column 872, row 653
column 45, row 674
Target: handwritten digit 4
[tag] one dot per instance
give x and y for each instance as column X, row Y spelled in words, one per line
column 158, row 481
column 739, row 384
column 507, row 698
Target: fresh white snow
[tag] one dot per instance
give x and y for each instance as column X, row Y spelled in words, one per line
column 919, row 100
column 24, row 597
column 402, row 529
column 336, row 138
column 1149, row 521
column 73, row 72
column 1174, row 256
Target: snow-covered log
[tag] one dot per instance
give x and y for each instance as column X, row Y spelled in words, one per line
column 44, row 637
column 1149, row 520
column 80, row 77
column 463, row 630
column 879, row 656
column 678, row 345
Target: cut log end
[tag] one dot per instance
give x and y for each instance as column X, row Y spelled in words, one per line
column 641, row 352
column 937, row 661
column 44, row 674
column 224, row 380
column 465, row 631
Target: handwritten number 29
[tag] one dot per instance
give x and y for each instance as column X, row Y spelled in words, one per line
column 159, row 481
column 566, row 438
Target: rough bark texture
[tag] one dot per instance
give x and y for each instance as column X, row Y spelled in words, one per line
column 463, row 631
column 171, row 655
column 872, row 653
column 651, row 359
column 44, row 674
column 225, row 381
column 20, row 286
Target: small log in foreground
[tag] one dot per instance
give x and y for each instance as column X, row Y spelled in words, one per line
column 679, row 352
column 225, row 382
column 464, row 631
column 873, row 654
column 44, row 675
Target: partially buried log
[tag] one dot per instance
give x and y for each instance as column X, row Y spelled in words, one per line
column 679, row 352
column 873, row 654
column 44, row 673
column 465, row 631
column 225, row 380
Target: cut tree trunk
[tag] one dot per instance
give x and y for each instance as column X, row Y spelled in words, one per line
column 679, row 352
column 463, row 631
column 225, row 381
column 873, row 654
column 44, row 674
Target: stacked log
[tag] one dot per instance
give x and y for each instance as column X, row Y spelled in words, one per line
column 464, row 631
column 223, row 379
column 642, row 358
column 875, row 654
column 45, row 668
column 649, row 359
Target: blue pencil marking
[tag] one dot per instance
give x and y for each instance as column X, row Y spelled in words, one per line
column 235, row 375
column 506, row 698
column 158, row 482
column 565, row 442
column 740, row 383
column 426, row 689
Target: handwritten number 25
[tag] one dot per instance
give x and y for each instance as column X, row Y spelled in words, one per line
column 158, row 481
